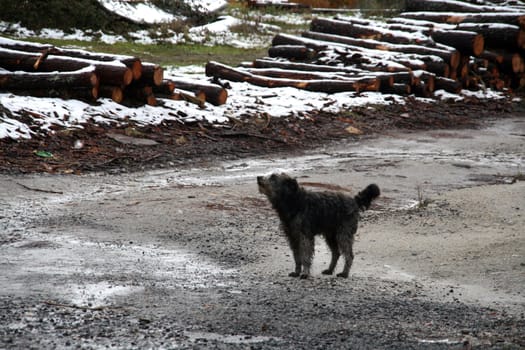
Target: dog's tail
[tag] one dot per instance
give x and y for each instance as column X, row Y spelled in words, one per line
column 366, row 196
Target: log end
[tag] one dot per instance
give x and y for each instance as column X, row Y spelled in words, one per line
column 158, row 75
column 136, row 68
column 128, row 77
column 478, row 45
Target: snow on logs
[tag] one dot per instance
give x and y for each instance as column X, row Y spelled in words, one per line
column 42, row 70
column 465, row 47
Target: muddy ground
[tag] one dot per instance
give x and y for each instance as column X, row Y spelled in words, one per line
column 191, row 256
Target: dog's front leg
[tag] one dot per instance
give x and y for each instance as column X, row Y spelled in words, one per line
column 296, row 250
column 307, row 255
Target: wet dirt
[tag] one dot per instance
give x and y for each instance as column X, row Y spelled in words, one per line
column 192, row 257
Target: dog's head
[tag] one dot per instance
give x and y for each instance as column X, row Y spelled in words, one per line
column 277, row 186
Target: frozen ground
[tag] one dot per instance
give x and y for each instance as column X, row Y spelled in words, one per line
column 193, row 258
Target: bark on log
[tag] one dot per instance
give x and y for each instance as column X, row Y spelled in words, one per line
column 449, row 5
column 165, row 88
column 345, row 28
column 85, row 77
column 386, row 79
column 513, row 18
column 214, row 94
column 449, row 85
column 278, row 4
column 141, row 94
column 328, row 86
column 468, row 43
column 397, row 89
column 452, row 57
column 353, row 55
column 88, row 94
column 131, row 62
column 293, row 52
column 113, row 73
column 265, row 63
column 504, row 36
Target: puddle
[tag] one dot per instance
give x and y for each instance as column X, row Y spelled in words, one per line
column 104, row 270
column 98, row 294
column 228, row 339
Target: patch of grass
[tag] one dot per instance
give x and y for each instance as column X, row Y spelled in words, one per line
column 422, row 202
column 167, row 54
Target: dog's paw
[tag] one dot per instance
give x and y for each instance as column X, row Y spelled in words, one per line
column 293, row 274
column 303, row 276
column 342, row 275
column 327, row 272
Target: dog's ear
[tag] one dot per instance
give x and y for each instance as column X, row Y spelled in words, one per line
column 292, row 185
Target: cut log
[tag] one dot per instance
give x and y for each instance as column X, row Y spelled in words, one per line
column 513, row 18
column 85, row 77
column 152, row 74
column 214, row 94
column 449, row 85
column 397, row 89
column 293, row 52
column 165, row 88
column 327, row 86
column 386, row 79
column 278, row 4
column 88, row 94
column 131, row 62
column 136, row 95
column 266, row 63
column 113, row 92
column 451, row 56
column 498, row 35
column 113, row 73
column 468, row 43
column 373, row 60
column 450, row 5
column 345, row 28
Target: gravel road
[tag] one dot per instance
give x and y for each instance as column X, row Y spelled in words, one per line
column 193, row 257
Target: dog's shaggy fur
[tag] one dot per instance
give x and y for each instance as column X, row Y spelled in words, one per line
column 305, row 214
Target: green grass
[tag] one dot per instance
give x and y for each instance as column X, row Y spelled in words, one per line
column 167, row 54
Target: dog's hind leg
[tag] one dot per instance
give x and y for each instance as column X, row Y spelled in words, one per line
column 307, row 255
column 334, row 249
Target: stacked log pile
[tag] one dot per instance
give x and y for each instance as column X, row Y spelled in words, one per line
column 457, row 45
column 47, row 71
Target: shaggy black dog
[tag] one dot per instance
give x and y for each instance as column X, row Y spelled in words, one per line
column 305, row 214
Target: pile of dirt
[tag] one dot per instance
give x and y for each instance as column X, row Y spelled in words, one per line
column 131, row 147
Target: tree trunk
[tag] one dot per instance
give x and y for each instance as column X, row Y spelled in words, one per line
column 85, row 77
column 468, row 43
column 112, row 73
column 328, row 86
